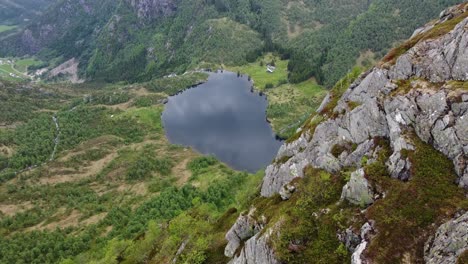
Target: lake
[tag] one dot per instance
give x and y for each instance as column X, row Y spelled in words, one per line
column 224, row 118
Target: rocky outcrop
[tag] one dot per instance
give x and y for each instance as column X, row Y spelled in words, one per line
column 244, row 228
column 286, row 191
column 418, row 95
column 450, row 241
column 256, row 250
column 437, row 60
column 68, row 69
column 358, row 255
column 358, row 191
column 436, row 113
column 152, row 9
column 350, row 239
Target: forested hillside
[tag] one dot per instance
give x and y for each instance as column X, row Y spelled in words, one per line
column 153, row 38
column 20, row 11
column 374, row 170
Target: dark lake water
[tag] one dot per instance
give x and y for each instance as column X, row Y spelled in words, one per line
column 223, row 118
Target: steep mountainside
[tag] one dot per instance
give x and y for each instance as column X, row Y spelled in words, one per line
column 14, row 12
column 397, row 140
column 156, row 37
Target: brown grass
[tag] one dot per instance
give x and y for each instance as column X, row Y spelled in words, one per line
column 72, row 219
column 61, row 175
column 12, row 209
column 181, row 171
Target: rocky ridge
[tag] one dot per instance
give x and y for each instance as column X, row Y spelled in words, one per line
column 423, row 92
column 151, row 9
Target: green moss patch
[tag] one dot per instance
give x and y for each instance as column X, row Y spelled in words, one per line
column 309, row 221
column 338, row 149
column 405, row 217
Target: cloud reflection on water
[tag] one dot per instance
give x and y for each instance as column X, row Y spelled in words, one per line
column 222, row 117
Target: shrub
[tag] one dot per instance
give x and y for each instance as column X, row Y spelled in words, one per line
column 201, row 163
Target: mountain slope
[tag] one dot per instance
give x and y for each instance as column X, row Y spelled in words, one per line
column 396, row 139
column 19, row 11
column 156, row 37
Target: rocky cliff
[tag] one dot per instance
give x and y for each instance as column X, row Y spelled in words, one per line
column 152, row 9
column 417, row 96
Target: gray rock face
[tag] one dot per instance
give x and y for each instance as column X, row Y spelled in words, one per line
column 350, row 239
column 245, row 227
column 450, row 241
column 437, row 60
column 400, row 113
column 366, row 232
column 354, row 159
column 357, row 190
column 436, row 113
column 151, row 9
column 436, row 119
column 256, row 251
column 357, row 126
column 286, row 191
column 324, row 103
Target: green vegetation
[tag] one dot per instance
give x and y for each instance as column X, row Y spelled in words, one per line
column 148, row 117
column 20, row 105
column 199, row 165
column 305, row 236
column 289, row 104
column 459, row 85
column 116, row 188
column 147, row 101
column 24, row 64
column 7, row 72
column 257, row 71
column 338, row 149
column 329, row 51
column 21, row 11
column 406, row 215
column 4, row 28
column 321, row 39
column 173, row 85
column 103, row 184
column 228, row 42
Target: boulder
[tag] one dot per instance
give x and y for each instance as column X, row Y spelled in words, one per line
column 244, row 228
column 256, row 251
column 350, row 239
column 357, row 190
column 449, row 242
column 287, row 191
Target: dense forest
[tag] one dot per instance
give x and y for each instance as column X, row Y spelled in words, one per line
column 117, row 40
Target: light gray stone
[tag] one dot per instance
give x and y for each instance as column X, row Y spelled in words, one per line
column 357, row 190
column 244, row 228
column 256, row 251
column 450, row 241
column 324, row 103
column 438, row 60
column 286, row 191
